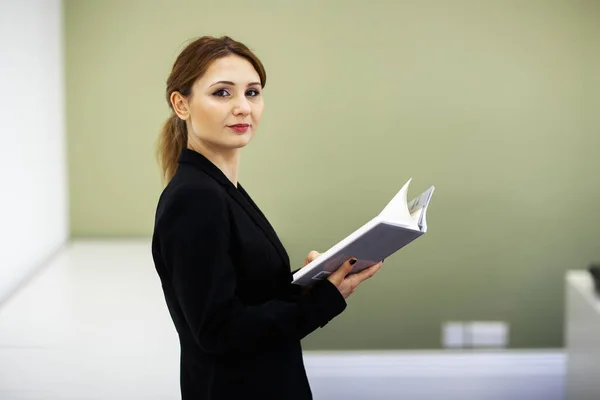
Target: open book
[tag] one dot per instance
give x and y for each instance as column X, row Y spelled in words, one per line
column 396, row 226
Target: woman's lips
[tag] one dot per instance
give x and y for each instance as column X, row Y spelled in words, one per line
column 240, row 128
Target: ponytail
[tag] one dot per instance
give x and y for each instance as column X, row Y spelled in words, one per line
column 171, row 142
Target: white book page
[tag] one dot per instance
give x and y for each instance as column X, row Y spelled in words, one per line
column 397, row 211
column 416, row 214
column 418, row 208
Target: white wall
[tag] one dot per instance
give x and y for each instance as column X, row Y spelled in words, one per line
column 33, row 174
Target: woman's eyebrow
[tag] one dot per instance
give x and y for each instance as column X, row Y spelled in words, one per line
column 233, row 84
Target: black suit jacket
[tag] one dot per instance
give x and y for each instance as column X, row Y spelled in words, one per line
column 227, row 283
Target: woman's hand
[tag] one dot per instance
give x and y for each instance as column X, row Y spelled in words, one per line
column 347, row 285
column 310, row 257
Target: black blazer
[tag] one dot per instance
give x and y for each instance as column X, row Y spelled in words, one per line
column 227, row 284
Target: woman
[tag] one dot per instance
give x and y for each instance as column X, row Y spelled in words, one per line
column 225, row 274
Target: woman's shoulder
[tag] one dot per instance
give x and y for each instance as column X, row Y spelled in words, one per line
column 181, row 194
column 192, row 182
column 192, row 191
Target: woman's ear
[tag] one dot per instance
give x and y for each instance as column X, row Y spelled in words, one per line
column 180, row 105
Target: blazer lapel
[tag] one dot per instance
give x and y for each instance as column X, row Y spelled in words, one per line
column 239, row 195
column 260, row 220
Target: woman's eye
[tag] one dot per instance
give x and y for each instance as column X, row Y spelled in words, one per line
column 224, row 93
column 218, row 93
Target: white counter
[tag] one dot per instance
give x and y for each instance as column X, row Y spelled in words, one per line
column 582, row 337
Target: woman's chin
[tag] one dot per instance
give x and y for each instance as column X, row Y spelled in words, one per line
column 241, row 141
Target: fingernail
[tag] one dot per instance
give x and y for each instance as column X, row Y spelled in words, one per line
column 353, row 261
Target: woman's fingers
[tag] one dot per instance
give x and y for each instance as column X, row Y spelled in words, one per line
column 340, row 274
column 310, row 257
column 347, row 284
column 367, row 272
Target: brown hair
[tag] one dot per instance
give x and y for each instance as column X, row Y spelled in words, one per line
column 190, row 65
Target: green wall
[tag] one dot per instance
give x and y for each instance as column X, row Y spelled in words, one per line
column 494, row 102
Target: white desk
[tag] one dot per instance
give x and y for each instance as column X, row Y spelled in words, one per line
column 582, row 337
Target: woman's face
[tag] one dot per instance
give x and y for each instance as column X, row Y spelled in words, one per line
column 228, row 94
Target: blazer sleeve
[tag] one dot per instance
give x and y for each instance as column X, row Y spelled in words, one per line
column 194, row 243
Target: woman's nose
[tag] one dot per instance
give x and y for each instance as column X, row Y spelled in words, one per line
column 242, row 106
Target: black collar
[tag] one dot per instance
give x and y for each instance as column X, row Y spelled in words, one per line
column 189, row 156
column 240, row 195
